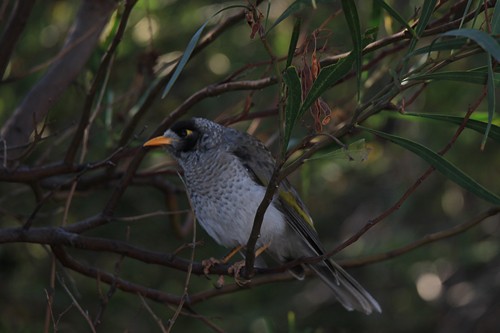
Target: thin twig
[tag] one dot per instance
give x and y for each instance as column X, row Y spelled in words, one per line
column 149, row 215
column 427, row 239
column 151, row 312
column 78, row 306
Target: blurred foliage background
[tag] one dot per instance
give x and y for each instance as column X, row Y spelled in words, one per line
column 451, row 285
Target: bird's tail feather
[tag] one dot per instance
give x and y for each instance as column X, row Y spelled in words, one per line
column 347, row 290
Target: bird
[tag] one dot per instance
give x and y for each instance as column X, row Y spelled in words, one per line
column 226, row 173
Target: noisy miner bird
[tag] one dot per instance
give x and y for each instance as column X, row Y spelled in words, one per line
column 226, row 173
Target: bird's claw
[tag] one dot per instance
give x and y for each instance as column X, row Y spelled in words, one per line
column 209, row 263
column 235, row 271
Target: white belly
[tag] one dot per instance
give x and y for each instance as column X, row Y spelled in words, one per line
column 225, row 206
column 228, row 217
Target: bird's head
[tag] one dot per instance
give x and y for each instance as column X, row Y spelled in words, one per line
column 189, row 136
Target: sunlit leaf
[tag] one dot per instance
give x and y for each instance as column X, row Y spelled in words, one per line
column 449, row 170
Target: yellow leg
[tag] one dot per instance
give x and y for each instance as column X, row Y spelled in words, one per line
column 235, row 268
column 209, row 263
column 231, row 254
column 261, row 249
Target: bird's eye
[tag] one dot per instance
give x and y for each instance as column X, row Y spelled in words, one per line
column 185, row 132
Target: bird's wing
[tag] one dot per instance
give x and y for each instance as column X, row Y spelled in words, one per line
column 260, row 164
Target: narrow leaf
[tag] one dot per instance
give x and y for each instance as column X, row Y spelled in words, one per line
column 189, row 50
column 327, row 77
column 354, row 152
column 442, row 165
column 292, row 81
column 473, row 124
column 295, row 7
column 425, row 16
column 477, row 77
column 446, row 45
column 466, row 10
column 495, row 21
column 396, row 16
column 184, row 59
column 351, row 15
column 484, row 40
column 491, row 101
column 293, row 42
column 376, row 17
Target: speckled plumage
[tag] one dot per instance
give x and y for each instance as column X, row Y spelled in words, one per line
column 226, row 173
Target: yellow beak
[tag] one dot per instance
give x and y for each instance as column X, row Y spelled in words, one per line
column 158, row 141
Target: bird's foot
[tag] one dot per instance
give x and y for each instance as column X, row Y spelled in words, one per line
column 220, row 282
column 209, row 263
column 235, row 270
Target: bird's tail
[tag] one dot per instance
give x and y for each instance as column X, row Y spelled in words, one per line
column 347, row 290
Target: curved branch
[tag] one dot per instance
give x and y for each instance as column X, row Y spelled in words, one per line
column 427, row 239
column 69, row 262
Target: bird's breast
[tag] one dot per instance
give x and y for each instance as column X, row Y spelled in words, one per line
column 225, row 199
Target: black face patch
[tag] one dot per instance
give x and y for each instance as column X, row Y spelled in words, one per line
column 188, row 132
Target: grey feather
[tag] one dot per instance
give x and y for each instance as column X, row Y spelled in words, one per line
column 226, row 173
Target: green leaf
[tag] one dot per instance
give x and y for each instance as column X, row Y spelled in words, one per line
column 484, row 40
column 327, row 77
column 354, row 152
column 189, row 50
column 491, row 101
column 375, row 17
column 474, row 76
column 292, row 81
column 442, row 165
column 466, row 10
column 495, row 21
column 184, row 59
column 425, row 16
column 351, row 15
column 293, row 42
column 446, row 45
column 295, row 7
column 473, row 124
column 396, row 16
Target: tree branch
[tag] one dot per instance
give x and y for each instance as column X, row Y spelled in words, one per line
column 91, row 19
column 13, row 31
